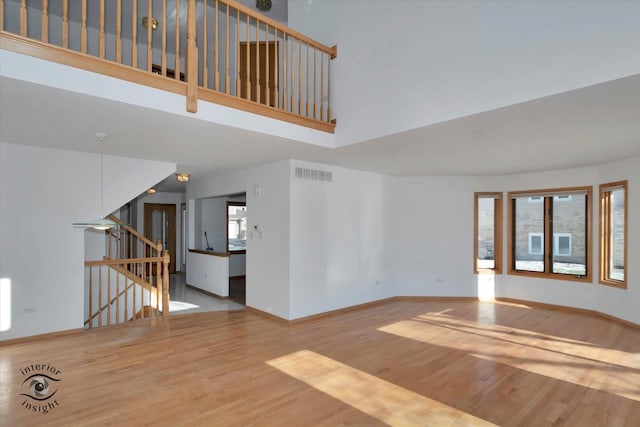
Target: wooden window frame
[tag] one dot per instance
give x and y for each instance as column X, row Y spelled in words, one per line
column 239, row 251
column 497, row 227
column 605, row 233
column 548, row 236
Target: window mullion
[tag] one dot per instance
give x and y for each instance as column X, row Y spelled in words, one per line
column 548, row 235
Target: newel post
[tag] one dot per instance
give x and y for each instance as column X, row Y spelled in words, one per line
column 165, row 283
column 192, row 59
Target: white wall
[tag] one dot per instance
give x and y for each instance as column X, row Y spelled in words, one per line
column 267, row 258
column 209, row 273
column 42, row 192
column 337, row 240
column 448, row 59
column 429, row 233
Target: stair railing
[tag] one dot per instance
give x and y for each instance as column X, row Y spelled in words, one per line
column 130, row 283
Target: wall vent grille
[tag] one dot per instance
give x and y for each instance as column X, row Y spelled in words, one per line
column 314, row 175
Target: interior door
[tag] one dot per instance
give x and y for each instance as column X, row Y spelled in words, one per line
column 160, row 224
column 258, row 71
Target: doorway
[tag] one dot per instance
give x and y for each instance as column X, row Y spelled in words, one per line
column 160, row 224
column 263, row 61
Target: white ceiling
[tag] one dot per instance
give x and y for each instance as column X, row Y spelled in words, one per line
column 579, row 128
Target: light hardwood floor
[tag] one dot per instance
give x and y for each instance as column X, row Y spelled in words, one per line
column 397, row 363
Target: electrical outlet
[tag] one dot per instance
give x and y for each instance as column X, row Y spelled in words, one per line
column 29, row 310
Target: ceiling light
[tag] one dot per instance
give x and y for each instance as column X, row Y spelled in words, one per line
column 154, row 23
column 183, row 177
column 263, row 5
column 100, row 223
column 152, row 190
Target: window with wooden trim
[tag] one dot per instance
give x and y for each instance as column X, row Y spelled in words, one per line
column 488, row 232
column 549, row 233
column 613, row 234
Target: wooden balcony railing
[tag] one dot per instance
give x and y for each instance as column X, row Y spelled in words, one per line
column 214, row 50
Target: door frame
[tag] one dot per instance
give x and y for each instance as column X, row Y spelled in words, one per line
column 171, row 219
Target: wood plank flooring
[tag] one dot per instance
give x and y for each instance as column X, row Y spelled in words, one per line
column 399, row 363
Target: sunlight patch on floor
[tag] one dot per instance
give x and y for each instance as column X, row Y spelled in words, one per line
column 574, row 361
column 180, row 305
column 378, row 398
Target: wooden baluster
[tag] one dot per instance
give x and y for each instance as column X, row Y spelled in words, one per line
column 109, row 246
column 118, row 294
column 108, row 296
column 65, row 23
column 100, row 296
column 119, row 34
column 192, row 59
column 257, row 77
column 149, row 35
column 266, row 43
column 83, row 28
column 158, row 277
column 307, row 84
column 134, row 34
column 45, row 21
column 102, row 37
column 23, row 18
column 1, row 15
column 216, row 53
column 299, row 77
column 238, row 53
column 177, row 64
column 322, row 54
column 90, row 297
column 126, row 298
column 247, row 92
column 163, row 54
column 133, row 296
column 165, row 284
column 205, row 68
column 292, row 43
column 158, row 285
column 315, row 78
column 276, row 76
column 227, row 78
column 284, row 71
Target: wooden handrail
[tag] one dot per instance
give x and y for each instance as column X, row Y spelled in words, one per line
column 131, row 230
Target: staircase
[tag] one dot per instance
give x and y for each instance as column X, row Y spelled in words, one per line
column 130, row 283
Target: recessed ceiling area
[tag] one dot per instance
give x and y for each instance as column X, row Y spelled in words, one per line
column 584, row 127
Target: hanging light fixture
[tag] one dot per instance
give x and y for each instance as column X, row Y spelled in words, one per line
column 154, row 23
column 183, row 177
column 100, row 223
column 263, row 5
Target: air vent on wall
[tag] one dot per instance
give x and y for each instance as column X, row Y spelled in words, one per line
column 314, row 175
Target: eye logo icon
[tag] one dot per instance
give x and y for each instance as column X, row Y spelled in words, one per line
column 40, row 384
column 39, row 387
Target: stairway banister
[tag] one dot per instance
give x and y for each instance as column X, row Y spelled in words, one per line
column 131, row 230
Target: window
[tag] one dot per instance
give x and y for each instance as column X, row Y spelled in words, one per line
column 535, row 243
column 488, row 232
column 613, row 234
column 562, row 244
column 550, row 238
column 236, row 227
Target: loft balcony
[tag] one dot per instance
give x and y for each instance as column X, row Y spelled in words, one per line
column 218, row 51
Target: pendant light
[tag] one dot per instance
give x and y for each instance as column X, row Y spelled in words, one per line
column 100, row 223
